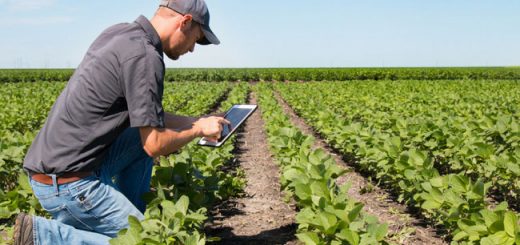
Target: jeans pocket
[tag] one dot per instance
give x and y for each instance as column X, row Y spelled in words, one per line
column 58, row 208
column 52, row 207
column 99, row 206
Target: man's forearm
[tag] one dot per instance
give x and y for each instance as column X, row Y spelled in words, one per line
column 177, row 122
column 159, row 142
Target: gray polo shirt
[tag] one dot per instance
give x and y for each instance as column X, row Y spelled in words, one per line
column 118, row 84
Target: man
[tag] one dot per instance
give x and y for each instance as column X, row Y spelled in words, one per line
column 92, row 160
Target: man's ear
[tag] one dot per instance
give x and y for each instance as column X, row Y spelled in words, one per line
column 186, row 20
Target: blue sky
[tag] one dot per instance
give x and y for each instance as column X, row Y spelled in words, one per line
column 289, row 33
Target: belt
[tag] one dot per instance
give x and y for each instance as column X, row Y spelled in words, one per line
column 61, row 179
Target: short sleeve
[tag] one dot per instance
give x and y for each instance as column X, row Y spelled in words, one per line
column 143, row 88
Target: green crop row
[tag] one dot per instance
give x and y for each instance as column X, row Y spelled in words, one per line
column 327, row 214
column 292, row 74
column 34, row 75
column 383, row 126
column 467, row 127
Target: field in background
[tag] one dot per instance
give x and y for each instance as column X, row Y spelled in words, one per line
column 290, row 74
column 444, row 141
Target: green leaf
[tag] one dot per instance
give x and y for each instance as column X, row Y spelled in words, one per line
column 437, row 182
column 309, row 238
column 431, row 205
column 437, row 195
column 319, row 188
column 328, row 221
column 134, row 223
column 4, row 213
column 479, row 190
column 350, row 236
column 484, row 150
column 305, row 216
column 182, row 205
column 416, row 158
column 510, row 223
column 293, row 174
column 460, row 235
column 23, row 181
column 168, row 209
column 129, row 236
column 339, row 213
column 303, row 192
column 196, row 217
column 459, row 183
column 499, row 238
column 354, row 213
column 487, row 241
column 194, row 239
column 489, row 217
column 410, row 174
column 382, row 231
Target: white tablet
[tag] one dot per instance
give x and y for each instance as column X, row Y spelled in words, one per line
column 236, row 116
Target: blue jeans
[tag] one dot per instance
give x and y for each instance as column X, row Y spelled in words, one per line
column 92, row 210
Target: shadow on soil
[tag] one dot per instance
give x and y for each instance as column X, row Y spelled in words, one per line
column 227, row 209
column 281, row 235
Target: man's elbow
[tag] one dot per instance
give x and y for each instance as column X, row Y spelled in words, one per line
column 152, row 151
column 150, row 140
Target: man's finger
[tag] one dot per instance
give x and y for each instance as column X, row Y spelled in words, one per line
column 217, row 136
column 213, row 138
column 224, row 121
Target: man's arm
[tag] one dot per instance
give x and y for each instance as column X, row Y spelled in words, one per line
column 164, row 141
column 178, row 122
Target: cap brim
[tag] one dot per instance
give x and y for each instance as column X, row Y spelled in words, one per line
column 209, row 37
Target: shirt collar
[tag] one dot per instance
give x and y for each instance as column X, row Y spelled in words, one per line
column 150, row 31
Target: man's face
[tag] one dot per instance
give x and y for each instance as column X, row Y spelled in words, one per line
column 183, row 39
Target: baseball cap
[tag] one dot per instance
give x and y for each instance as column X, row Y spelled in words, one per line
column 199, row 12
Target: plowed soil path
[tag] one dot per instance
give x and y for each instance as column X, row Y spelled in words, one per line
column 261, row 216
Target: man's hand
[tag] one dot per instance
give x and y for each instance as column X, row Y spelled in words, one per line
column 210, row 127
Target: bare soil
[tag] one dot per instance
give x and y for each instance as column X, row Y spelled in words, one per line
column 261, row 216
column 403, row 228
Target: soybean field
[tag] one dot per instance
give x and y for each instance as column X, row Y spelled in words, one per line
column 331, row 156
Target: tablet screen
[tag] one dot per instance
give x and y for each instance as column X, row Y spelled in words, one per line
column 234, row 116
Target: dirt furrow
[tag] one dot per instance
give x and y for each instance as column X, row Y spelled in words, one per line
column 403, row 228
column 261, row 216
